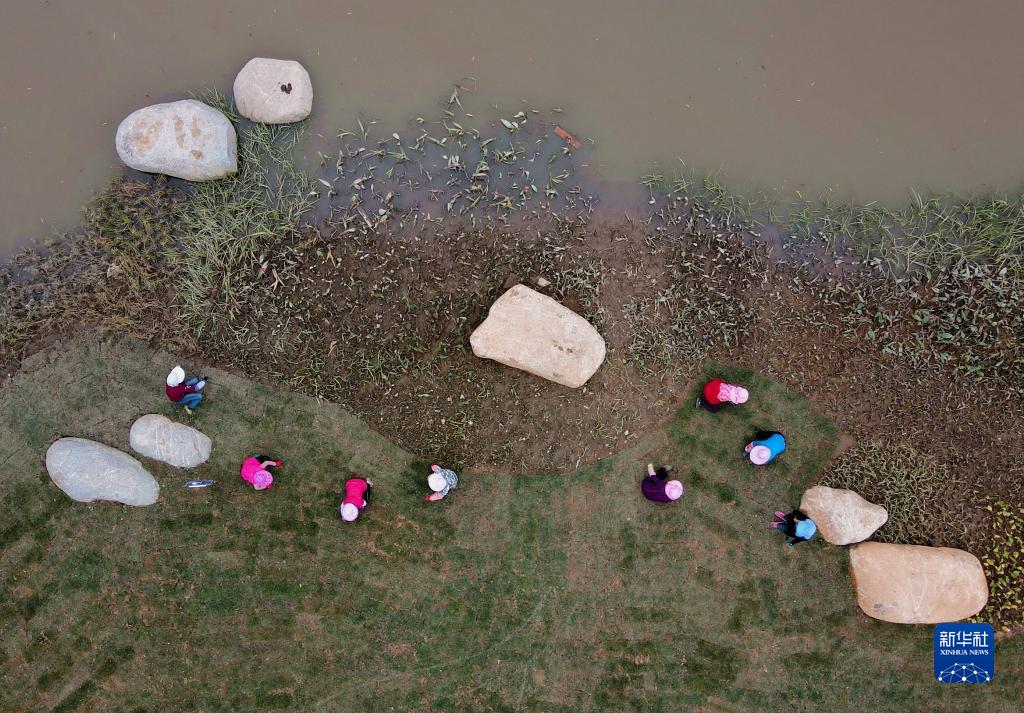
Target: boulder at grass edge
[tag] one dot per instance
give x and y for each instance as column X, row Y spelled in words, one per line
column 160, row 438
column 185, row 139
column 909, row 584
column 87, row 471
column 273, row 91
column 842, row 516
column 530, row 331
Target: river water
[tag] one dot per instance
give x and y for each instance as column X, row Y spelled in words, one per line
column 867, row 99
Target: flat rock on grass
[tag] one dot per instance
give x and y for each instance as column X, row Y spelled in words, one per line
column 273, row 91
column 842, row 516
column 160, row 438
column 87, row 471
column 530, row 331
column 185, row 139
column 909, row 584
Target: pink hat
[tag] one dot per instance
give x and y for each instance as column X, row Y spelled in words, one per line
column 261, row 480
column 739, row 395
column 759, row 455
column 349, row 512
column 674, row 489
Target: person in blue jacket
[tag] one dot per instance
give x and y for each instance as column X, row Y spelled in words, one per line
column 766, row 447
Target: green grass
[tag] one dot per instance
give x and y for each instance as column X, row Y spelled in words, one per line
column 539, row 594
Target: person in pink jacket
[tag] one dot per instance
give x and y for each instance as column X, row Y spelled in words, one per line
column 357, row 492
column 255, row 471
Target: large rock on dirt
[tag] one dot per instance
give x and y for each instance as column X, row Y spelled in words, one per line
column 273, row 91
column 842, row 516
column 87, row 471
column 530, row 331
column 908, row 584
column 160, row 438
column 185, row 139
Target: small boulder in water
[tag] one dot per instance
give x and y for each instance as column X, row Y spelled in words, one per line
column 185, row 139
column 273, row 91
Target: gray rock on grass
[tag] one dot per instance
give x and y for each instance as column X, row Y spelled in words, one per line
column 160, row 438
column 530, row 331
column 87, row 471
column 842, row 516
column 273, row 91
column 185, row 139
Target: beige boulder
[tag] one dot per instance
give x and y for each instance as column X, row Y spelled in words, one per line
column 909, row 584
column 160, row 438
column 87, row 471
column 842, row 516
column 530, row 331
column 273, row 91
column 185, row 139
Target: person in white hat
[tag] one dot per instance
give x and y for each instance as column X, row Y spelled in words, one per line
column 357, row 493
column 185, row 391
column 766, row 447
column 441, row 481
column 657, row 487
column 717, row 393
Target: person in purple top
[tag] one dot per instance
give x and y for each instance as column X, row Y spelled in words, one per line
column 658, row 488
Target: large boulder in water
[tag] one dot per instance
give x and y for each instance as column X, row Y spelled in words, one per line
column 842, row 516
column 160, row 438
column 273, row 91
column 87, row 471
column 530, row 331
column 185, row 139
column 909, row 584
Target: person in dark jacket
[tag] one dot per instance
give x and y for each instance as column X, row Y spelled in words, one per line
column 184, row 391
column 796, row 526
column 658, row 488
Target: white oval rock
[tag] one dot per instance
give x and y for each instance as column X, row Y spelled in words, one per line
column 87, row 471
column 530, row 331
column 160, row 438
column 185, row 139
column 910, row 584
column 273, row 91
column 842, row 516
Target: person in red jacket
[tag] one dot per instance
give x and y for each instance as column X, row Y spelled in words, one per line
column 717, row 393
column 185, row 391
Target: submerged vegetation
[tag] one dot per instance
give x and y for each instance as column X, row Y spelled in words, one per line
column 361, row 281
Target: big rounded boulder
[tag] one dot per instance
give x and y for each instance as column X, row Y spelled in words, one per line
column 842, row 516
column 273, row 91
column 185, row 139
column 162, row 439
column 530, row 331
column 910, row 584
column 87, row 471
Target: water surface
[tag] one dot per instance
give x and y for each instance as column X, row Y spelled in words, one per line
column 868, row 98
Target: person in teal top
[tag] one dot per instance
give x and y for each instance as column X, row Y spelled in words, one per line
column 766, row 447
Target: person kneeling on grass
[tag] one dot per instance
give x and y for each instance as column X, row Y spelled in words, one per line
column 796, row 526
column 357, row 493
column 441, row 481
column 766, row 446
column 658, row 488
column 717, row 393
column 256, row 471
column 185, row 391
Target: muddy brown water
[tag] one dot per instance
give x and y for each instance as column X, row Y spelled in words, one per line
column 868, row 98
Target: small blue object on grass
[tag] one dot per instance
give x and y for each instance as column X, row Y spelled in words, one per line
column 199, row 483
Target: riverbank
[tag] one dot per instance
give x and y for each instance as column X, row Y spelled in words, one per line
column 360, row 285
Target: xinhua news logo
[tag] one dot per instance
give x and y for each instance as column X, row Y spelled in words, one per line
column 964, row 653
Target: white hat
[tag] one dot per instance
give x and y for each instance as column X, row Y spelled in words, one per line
column 176, row 376
column 759, row 455
column 437, row 482
column 349, row 512
column 674, row 489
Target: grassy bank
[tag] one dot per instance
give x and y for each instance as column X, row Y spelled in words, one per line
column 523, row 593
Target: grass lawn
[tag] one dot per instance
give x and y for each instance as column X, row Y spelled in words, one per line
column 544, row 594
